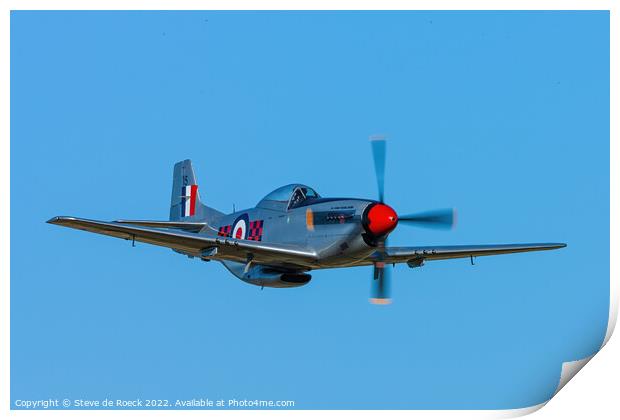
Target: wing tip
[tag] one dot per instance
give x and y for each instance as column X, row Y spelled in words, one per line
column 58, row 220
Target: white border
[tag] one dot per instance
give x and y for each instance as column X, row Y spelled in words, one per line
column 601, row 379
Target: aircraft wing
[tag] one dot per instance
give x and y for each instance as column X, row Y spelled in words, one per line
column 417, row 255
column 193, row 244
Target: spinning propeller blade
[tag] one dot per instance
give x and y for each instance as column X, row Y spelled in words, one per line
column 378, row 153
column 435, row 219
column 380, row 293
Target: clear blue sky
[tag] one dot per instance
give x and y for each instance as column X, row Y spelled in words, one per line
column 504, row 116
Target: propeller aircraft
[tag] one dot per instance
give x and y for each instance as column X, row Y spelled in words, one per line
column 293, row 231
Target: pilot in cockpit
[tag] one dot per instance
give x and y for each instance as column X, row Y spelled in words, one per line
column 297, row 198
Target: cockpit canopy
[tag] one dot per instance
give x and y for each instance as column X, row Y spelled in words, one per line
column 288, row 197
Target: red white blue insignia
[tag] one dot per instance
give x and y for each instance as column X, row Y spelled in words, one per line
column 188, row 200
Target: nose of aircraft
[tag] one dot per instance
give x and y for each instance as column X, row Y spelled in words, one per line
column 381, row 219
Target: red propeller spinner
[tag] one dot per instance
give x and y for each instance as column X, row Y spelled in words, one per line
column 380, row 219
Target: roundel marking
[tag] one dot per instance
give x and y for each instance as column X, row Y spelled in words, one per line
column 240, row 227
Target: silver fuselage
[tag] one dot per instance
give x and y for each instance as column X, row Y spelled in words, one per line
column 331, row 227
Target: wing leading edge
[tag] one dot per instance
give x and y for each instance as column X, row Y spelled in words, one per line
column 193, row 244
column 415, row 255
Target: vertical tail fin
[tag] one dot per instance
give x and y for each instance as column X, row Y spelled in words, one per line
column 185, row 202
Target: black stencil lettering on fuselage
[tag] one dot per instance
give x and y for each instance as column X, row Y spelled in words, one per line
column 335, row 217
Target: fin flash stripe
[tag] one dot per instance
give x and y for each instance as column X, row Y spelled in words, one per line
column 189, row 197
